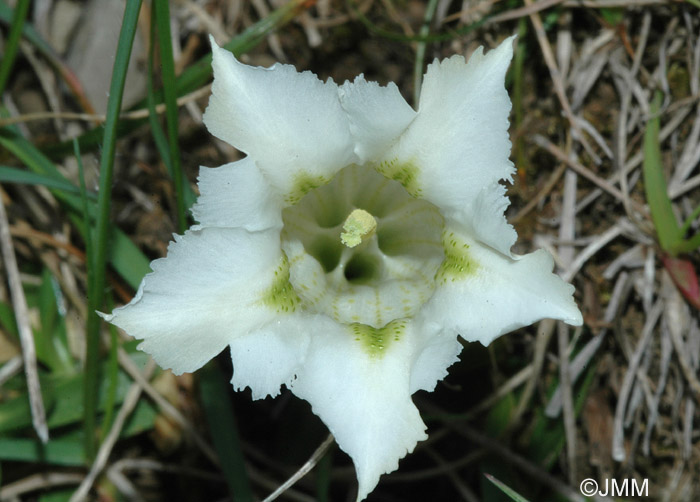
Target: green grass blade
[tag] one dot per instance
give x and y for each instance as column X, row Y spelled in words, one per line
column 156, row 130
column 420, row 51
column 51, row 343
column 323, row 477
column 8, row 321
column 161, row 12
column 519, row 59
column 96, row 297
column 7, row 14
column 24, row 177
column 12, row 44
column 112, row 374
column 56, row 452
column 223, row 429
column 507, row 490
column 84, row 206
column 662, row 215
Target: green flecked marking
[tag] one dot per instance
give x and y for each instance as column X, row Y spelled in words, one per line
column 376, row 340
column 281, row 295
column 303, row 184
column 405, row 173
column 458, row 262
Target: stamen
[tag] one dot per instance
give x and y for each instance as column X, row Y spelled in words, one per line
column 359, row 226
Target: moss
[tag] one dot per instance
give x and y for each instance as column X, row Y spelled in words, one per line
column 376, row 340
column 281, row 295
column 405, row 173
column 303, row 184
column 458, row 262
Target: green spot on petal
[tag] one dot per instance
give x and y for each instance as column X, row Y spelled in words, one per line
column 405, row 173
column 376, row 340
column 303, row 184
column 281, row 295
column 458, row 262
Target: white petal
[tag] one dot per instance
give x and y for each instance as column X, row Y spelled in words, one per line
column 484, row 218
column 362, row 394
column 483, row 294
column 378, row 115
column 290, row 123
column 269, row 357
column 458, row 144
column 211, row 288
column 440, row 350
column 237, row 195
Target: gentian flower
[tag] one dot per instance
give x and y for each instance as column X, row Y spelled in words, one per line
column 350, row 248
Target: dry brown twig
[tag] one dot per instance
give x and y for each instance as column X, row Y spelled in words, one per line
column 130, row 401
column 19, row 303
column 133, row 115
column 304, row 470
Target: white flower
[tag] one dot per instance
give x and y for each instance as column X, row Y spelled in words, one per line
column 350, row 248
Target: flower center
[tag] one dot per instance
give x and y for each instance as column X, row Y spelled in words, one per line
column 361, row 249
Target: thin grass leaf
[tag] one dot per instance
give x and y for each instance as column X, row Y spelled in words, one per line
column 8, row 321
column 51, row 347
column 112, row 374
column 660, row 206
column 29, row 155
column 7, row 15
column 420, row 50
column 23, row 177
column 12, row 44
column 223, row 429
column 85, row 207
column 96, row 296
column 518, row 87
column 127, row 259
column 159, row 138
column 57, row 452
column 323, row 477
column 161, row 13
column 505, row 489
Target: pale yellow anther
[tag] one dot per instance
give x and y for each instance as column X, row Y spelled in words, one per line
column 359, row 226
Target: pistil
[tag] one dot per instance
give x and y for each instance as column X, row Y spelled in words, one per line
column 358, row 227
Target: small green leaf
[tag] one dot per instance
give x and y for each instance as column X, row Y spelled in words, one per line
column 662, row 215
column 613, row 16
column 12, row 42
column 7, row 319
